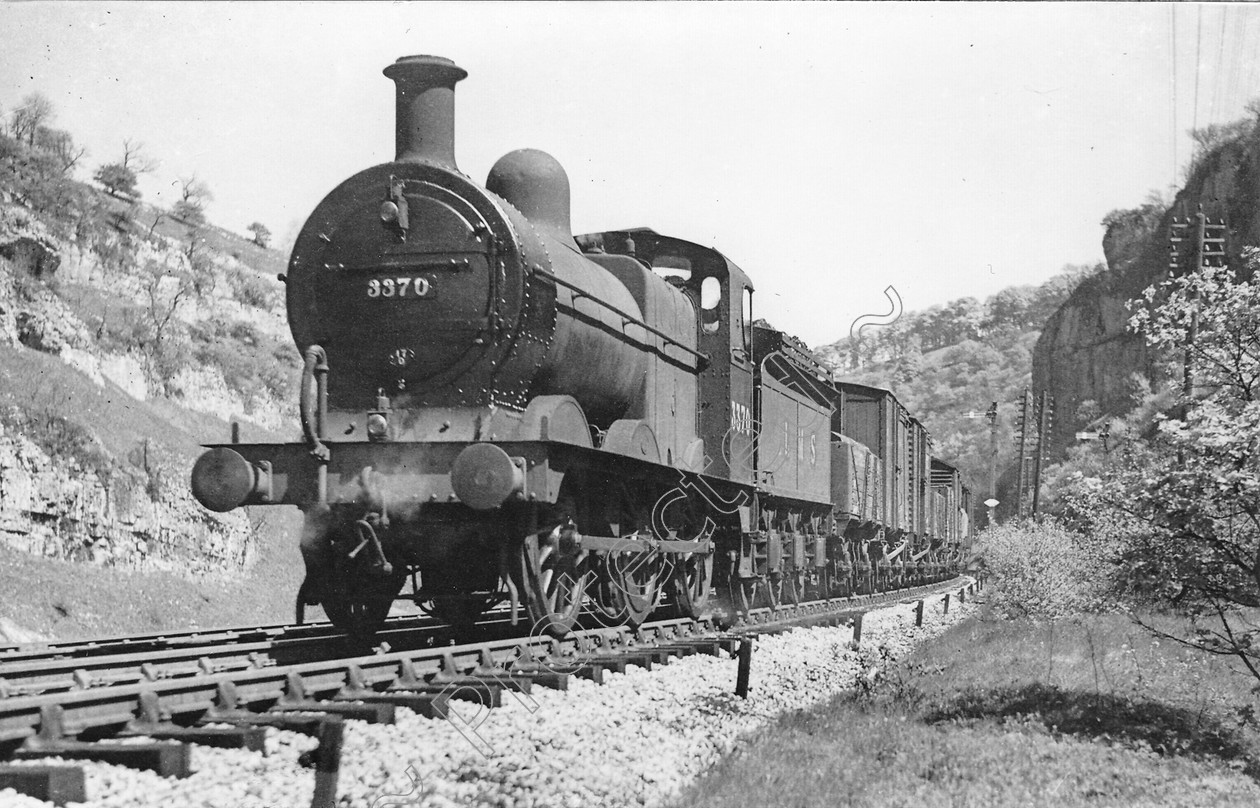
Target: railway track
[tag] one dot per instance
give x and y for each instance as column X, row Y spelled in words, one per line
column 111, row 707
column 120, row 661
column 168, row 640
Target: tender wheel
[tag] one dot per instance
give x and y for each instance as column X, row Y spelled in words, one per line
column 774, row 589
column 744, row 593
column 691, row 581
column 551, row 573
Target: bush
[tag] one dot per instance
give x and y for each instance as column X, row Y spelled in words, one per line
column 249, row 359
column 1043, row 569
column 61, row 439
column 254, row 290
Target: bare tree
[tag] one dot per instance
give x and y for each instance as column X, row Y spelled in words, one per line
column 167, row 291
column 135, row 160
column 36, row 111
column 60, row 144
column 194, row 195
column 158, row 216
column 201, row 268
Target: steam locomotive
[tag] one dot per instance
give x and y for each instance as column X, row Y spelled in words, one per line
column 496, row 412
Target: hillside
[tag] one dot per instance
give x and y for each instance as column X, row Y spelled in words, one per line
column 1086, row 356
column 128, row 336
column 958, row 358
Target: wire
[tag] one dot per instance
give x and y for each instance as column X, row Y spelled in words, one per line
column 1198, row 66
column 1172, row 33
column 1246, row 64
column 1218, row 71
column 1236, row 49
column 1249, row 87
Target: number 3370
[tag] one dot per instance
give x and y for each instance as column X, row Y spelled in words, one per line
column 398, row 287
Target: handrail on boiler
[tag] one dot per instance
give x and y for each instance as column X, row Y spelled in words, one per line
column 700, row 357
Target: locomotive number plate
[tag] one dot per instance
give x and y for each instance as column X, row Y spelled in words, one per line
column 400, row 287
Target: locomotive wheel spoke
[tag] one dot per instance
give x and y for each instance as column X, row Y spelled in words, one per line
column 691, row 581
column 631, row 586
column 552, row 581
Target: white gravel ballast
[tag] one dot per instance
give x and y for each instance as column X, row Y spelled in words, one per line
column 635, row 740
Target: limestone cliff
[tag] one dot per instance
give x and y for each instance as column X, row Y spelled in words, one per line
column 1085, row 352
column 95, row 447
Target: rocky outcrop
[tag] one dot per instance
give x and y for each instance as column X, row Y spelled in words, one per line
column 58, row 509
column 63, row 493
column 1086, row 352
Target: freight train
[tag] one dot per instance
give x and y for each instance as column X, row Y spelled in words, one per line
column 496, row 413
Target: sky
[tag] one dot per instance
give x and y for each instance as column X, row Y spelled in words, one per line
column 829, row 149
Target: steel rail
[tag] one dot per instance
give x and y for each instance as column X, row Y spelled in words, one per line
column 80, row 710
column 207, row 694
column 137, row 643
column 59, row 673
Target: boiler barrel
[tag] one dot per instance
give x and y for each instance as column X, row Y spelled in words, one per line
column 597, row 353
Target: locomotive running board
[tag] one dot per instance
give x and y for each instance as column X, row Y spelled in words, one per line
column 615, row 545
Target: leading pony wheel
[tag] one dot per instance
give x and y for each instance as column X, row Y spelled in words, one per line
column 361, row 604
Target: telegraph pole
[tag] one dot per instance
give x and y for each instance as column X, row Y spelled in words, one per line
column 1192, row 331
column 1046, row 407
column 1025, row 421
column 991, row 414
column 1208, row 251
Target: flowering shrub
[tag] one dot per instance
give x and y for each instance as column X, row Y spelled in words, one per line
column 1043, row 569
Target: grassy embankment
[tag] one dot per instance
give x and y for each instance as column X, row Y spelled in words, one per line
column 69, row 600
column 65, row 599
column 1089, row 711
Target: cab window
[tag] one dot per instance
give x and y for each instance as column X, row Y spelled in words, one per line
column 710, row 297
column 672, row 266
column 746, row 318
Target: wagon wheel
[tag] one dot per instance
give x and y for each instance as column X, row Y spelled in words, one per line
column 792, row 587
column 837, row 579
column 551, row 572
column 691, row 581
column 864, row 579
column 820, row 588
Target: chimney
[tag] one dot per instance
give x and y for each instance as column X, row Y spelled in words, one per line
column 425, row 109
